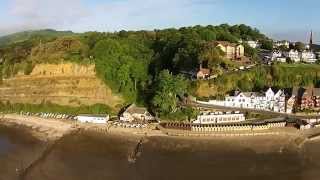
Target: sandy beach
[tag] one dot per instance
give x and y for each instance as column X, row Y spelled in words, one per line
column 69, row 150
column 53, row 129
column 43, row 129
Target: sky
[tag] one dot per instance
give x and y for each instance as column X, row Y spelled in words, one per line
column 279, row 19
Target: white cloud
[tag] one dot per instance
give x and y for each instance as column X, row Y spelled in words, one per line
column 109, row 15
column 39, row 14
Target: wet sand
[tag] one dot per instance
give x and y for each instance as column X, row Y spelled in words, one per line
column 43, row 129
column 87, row 154
column 90, row 156
column 17, row 150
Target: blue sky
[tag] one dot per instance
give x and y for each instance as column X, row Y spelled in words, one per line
column 280, row 19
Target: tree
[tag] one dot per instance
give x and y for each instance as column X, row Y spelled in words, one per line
column 138, row 74
column 299, row 46
column 28, row 68
column 251, row 52
column 167, row 90
column 283, row 48
column 207, row 35
column 267, row 44
column 123, row 64
column 1, row 76
column 211, row 55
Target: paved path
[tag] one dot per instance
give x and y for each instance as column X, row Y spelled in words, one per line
column 253, row 110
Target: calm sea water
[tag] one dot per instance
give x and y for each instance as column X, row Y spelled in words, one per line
column 88, row 157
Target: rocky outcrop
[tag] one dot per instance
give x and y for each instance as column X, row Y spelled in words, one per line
column 64, row 84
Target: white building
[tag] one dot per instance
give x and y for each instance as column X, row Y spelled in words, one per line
column 294, row 55
column 279, row 102
column 282, row 43
column 253, row 44
column 281, row 59
column 240, row 99
column 268, row 101
column 134, row 113
column 275, row 54
column 97, row 119
column 219, row 117
column 308, row 57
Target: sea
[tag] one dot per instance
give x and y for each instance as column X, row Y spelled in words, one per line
column 87, row 156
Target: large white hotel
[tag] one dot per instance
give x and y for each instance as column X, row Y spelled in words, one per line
column 219, row 117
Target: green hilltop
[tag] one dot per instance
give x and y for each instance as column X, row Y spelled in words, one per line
column 26, row 35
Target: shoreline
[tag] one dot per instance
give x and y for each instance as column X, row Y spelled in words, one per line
column 42, row 129
column 53, row 129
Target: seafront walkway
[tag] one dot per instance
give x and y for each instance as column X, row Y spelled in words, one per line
column 226, row 108
column 236, row 133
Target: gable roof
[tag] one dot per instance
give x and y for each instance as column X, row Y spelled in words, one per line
column 133, row 109
column 205, row 71
column 248, row 94
column 270, row 90
column 226, row 43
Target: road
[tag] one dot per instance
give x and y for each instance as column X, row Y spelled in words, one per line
column 195, row 104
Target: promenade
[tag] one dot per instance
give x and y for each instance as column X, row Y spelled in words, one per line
column 216, row 107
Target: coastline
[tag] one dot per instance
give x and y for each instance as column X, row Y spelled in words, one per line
column 42, row 129
column 53, row 129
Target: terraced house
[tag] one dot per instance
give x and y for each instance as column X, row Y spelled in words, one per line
column 268, row 100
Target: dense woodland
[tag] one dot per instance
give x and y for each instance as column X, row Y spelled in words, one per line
column 144, row 66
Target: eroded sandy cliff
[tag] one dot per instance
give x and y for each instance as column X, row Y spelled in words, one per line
column 64, row 84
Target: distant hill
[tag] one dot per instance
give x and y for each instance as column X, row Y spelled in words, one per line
column 315, row 47
column 25, row 35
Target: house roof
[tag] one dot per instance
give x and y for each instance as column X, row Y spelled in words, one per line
column 133, row 109
column 248, row 94
column 226, row 43
column 279, row 93
column 205, row 71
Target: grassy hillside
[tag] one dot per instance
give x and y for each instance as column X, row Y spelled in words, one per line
column 26, row 35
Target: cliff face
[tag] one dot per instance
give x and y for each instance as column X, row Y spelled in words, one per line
column 63, row 84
